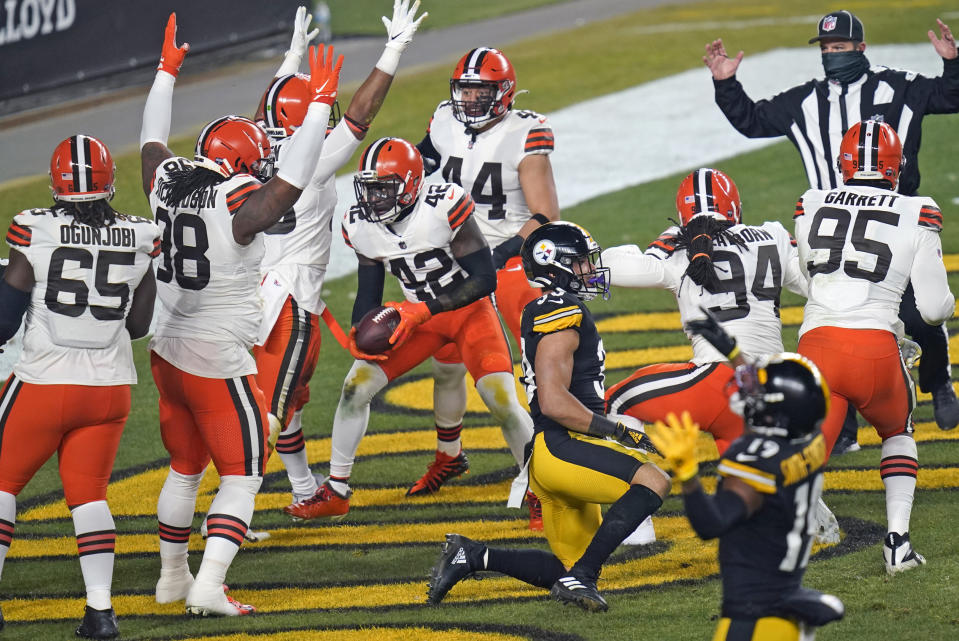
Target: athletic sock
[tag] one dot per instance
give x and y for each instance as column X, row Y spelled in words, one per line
column 175, row 518
column 96, row 542
column 291, row 446
column 536, row 567
column 898, row 469
column 448, row 439
column 227, row 522
column 621, row 519
column 8, row 518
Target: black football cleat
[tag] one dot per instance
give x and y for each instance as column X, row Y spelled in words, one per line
column 945, row 406
column 574, row 589
column 98, row 624
column 453, row 566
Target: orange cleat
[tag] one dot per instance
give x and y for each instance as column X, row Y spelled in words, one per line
column 325, row 502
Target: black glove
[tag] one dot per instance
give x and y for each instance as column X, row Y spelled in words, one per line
column 634, row 439
column 506, row 250
column 710, row 329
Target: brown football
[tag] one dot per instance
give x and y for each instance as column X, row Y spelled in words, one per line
column 375, row 328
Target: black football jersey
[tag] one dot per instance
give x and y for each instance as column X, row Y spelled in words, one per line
column 554, row 312
column 765, row 557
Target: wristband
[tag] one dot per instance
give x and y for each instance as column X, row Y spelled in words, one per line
column 540, row 218
column 358, row 126
column 601, row 426
column 389, row 61
column 733, row 353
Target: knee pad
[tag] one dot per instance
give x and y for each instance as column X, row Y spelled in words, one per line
column 185, row 485
column 362, row 383
column 498, row 391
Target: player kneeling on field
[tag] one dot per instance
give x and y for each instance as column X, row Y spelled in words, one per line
column 768, row 479
column 580, row 458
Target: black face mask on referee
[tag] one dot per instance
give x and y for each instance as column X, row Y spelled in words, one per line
column 845, row 66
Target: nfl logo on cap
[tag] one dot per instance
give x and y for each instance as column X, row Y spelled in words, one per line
column 829, row 23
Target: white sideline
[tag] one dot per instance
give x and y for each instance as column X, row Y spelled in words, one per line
column 648, row 132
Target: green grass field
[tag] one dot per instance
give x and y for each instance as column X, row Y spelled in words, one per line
column 365, row 577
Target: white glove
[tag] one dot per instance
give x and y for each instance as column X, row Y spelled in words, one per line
column 400, row 32
column 911, row 352
column 298, row 44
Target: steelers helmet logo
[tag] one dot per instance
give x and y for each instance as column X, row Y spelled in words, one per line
column 544, row 252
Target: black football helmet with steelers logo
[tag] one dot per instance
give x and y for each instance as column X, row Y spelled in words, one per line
column 563, row 255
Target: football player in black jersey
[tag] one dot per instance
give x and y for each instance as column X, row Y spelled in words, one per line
column 580, row 458
column 764, row 509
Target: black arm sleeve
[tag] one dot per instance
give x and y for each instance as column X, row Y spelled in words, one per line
column 481, row 282
column 762, row 119
column 713, row 516
column 431, row 157
column 13, row 305
column 943, row 96
column 369, row 289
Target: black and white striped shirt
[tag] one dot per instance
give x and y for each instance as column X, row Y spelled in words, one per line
column 815, row 115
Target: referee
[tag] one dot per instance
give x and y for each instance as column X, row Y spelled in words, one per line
column 816, row 114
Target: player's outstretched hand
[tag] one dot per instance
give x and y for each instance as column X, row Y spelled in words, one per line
column 171, row 56
column 412, row 315
column 710, row 329
column 360, row 355
column 945, row 45
column 676, row 441
column 301, row 38
column 404, row 24
column 324, row 75
column 721, row 65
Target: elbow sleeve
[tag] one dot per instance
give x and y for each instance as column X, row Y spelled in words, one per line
column 13, row 305
column 713, row 516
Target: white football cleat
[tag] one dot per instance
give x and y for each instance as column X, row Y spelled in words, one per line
column 642, row 535
column 827, row 527
column 898, row 553
column 173, row 585
column 215, row 603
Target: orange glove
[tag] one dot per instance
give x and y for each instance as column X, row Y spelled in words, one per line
column 324, row 76
column 360, row 355
column 171, row 57
column 412, row 315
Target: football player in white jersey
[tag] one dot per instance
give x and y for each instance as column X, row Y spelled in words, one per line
column 429, row 240
column 212, row 210
column 84, row 274
column 860, row 245
column 715, row 261
column 298, row 246
column 499, row 155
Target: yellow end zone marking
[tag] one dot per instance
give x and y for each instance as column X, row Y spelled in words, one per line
column 364, row 634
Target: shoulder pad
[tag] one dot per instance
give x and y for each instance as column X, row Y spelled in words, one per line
column 666, row 242
column 554, row 314
column 930, row 217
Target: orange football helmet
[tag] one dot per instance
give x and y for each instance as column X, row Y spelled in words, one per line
column 488, row 77
column 870, row 150
column 236, row 145
column 285, row 103
column 708, row 192
column 81, row 169
column 389, row 179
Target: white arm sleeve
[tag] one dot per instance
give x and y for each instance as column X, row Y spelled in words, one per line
column 339, row 146
column 303, row 151
column 630, row 267
column 157, row 110
column 291, row 64
column 794, row 280
column 929, row 281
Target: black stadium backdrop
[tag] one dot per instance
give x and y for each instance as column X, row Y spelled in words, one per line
column 47, row 44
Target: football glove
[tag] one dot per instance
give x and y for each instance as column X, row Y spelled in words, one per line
column 911, row 352
column 324, row 75
column 506, row 250
column 412, row 315
column 710, row 329
column 635, row 439
column 171, row 56
column 301, row 38
column 399, row 32
column 360, row 355
column 676, row 440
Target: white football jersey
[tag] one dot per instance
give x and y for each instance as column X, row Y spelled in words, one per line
column 85, row 278
column 298, row 245
column 417, row 250
column 746, row 299
column 486, row 164
column 860, row 247
column 206, row 282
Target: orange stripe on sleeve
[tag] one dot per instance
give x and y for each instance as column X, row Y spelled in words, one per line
column 346, row 237
column 461, row 214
